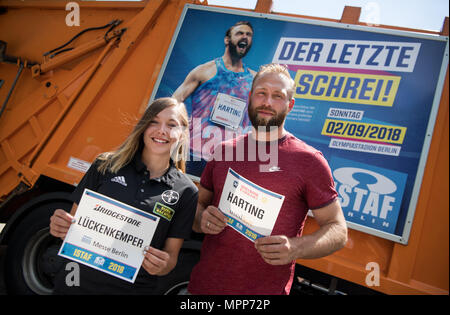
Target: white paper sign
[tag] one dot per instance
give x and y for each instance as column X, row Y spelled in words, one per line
column 109, row 236
column 228, row 111
column 251, row 210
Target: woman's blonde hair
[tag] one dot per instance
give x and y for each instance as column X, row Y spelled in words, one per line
column 115, row 160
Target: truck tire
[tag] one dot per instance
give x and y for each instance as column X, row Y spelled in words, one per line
column 31, row 256
column 177, row 280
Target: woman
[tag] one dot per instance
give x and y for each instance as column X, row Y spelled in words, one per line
column 146, row 168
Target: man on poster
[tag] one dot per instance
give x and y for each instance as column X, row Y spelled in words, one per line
column 219, row 91
column 231, row 263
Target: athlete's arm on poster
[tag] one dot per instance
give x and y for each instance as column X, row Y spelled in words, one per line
column 194, row 79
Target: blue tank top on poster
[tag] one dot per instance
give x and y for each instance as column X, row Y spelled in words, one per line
column 236, row 84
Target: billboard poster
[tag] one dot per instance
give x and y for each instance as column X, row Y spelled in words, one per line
column 366, row 98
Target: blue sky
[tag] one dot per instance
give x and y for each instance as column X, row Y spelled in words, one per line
column 419, row 14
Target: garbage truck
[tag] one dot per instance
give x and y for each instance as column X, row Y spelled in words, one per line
column 75, row 76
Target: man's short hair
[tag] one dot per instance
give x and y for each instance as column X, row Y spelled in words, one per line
column 276, row 68
column 228, row 33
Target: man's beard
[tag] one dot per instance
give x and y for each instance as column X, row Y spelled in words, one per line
column 269, row 123
column 232, row 48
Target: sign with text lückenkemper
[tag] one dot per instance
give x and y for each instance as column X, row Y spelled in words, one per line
column 366, row 97
column 109, row 236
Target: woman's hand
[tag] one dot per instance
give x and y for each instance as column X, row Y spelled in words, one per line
column 156, row 261
column 60, row 223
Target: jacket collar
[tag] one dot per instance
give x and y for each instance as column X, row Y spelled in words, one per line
column 168, row 178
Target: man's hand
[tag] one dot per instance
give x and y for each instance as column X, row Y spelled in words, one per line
column 330, row 237
column 212, row 221
column 276, row 250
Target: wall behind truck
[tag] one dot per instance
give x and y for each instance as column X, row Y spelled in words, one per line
column 56, row 123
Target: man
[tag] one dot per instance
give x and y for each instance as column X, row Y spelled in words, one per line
column 232, row 264
column 219, row 90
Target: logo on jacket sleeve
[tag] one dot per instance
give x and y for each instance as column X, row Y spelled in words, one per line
column 163, row 211
column 170, row 197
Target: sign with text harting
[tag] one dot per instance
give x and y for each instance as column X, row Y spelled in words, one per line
column 366, row 97
column 251, row 210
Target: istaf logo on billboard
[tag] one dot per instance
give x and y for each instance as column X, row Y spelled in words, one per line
column 370, row 196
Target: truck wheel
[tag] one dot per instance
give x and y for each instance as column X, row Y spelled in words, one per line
column 31, row 257
column 177, row 280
